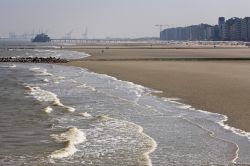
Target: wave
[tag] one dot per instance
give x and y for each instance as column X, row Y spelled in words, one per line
column 113, row 135
column 234, row 130
column 48, row 109
column 47, row 97
column 12, row 66
column 221, row 121
column 9, row 66
column 137, row 92
column 41, row 72
column 87, row 87
column 153, row 144
column 70, row 138
column 45, row 80
column 84, row 114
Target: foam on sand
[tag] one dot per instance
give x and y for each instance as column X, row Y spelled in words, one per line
column 70, row 138
column 234, row 130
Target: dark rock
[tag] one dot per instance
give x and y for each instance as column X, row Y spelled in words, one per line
column 34, row 60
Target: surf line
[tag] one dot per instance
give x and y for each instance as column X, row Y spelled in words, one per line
column 47, row 97
column 70, row 138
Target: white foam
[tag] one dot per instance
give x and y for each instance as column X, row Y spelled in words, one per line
column 212, row 134
column 87, row 87
column 69, row 109
column 3, row 66
column 45, row 80
column 60, row 77
column 234, row 130
column 67, row 151
column 34, row 68
column 170, row 99
column 12, row 66
column 48, row 109
column 186, row 106
column 85, row 114
column 39, row 71
column 70, row 138
column 72, row 80
column 43, row 95
column 103, row 117
column 221, row 122
column 153, row 145
column 124, row 132
column 47, row 96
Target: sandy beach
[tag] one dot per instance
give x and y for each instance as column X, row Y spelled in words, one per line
column 215, row 86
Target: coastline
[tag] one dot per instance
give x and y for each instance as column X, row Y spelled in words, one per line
column 218, row 86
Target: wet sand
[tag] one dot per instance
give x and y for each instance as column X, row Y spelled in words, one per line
column 216, row 86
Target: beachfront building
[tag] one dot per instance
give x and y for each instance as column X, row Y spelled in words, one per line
column 248, row 38
column 221, row 23
column 234, row 29
column 244, row 29
column 226, row 30
column 194, row 32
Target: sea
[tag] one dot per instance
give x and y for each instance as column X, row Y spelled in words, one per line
column 59, row 115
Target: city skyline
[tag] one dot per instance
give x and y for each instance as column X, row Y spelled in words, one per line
column 233, row 29
column 111, row 18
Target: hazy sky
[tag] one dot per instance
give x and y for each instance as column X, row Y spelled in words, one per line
column 112, row 18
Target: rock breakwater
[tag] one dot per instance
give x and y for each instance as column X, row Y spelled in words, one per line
column 33, row 60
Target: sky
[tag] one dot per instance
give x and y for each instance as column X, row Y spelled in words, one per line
column 112, row 18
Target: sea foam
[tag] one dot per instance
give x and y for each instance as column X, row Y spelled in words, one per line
column 41, row 72
column 47, row 97
column 48, row 109
column 70, row 138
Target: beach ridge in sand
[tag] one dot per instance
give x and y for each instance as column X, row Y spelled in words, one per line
column 220, row 86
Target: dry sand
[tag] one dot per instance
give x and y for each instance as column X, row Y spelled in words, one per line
column 134, row 53
column 215, row 86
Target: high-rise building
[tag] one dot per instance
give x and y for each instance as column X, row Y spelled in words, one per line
column 244, row 28
column 232, row 30
column 235, row 29
column 225, row 32
column 248, row 36
column 221, row 23
column 221, row 20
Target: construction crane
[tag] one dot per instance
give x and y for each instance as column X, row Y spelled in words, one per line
column 85, row 34
column 12, row 35
column 25, row 35
column 68, row 35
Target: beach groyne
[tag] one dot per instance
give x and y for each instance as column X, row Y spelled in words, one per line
column 33, row 60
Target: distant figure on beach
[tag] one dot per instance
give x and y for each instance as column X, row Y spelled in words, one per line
column 102, row 51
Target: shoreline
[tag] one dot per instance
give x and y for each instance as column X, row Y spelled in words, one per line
column 214, row 86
